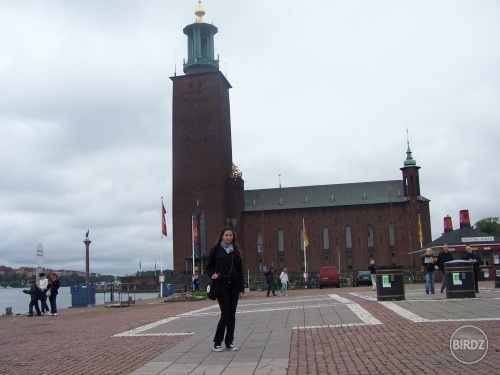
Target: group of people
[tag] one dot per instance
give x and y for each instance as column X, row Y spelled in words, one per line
column 430, row 261
column 269, row 275
column 40, row 292
column 225, row 265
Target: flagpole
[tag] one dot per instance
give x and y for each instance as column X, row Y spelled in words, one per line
column 192, row 241
column 305, row 251
column 420, row 235
column 162, row 278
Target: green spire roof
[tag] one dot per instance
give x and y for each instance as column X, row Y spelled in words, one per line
column 409, row 162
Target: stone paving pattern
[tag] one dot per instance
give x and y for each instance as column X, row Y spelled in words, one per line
column 327, row 331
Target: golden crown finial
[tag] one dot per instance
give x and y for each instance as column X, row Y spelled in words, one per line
column 200, row 12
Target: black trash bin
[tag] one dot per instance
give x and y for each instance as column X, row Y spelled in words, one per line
column 390, row 283
column 314, row 282
column 459, row 279
column 496, row 271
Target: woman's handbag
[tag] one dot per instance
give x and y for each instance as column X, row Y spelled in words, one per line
column 213, row 290
column 48, row 293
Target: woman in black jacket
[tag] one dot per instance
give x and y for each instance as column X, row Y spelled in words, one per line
column 224, row 264
column 53, row 287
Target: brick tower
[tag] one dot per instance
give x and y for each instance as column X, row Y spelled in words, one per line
column 204, row 181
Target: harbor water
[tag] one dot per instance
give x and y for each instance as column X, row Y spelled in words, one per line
column 19, row 301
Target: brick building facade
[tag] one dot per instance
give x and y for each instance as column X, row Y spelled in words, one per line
column 347, row 224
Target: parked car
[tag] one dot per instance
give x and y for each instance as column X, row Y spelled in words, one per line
column 362, row 278
column 329, row 276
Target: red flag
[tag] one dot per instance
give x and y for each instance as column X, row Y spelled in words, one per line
column 195, row 231
column 163, row 221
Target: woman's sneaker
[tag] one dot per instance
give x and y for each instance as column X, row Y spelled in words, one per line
column 232, row 348
column 217, row 347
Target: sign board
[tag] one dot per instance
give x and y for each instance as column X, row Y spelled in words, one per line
column 478, row 239
column 386, row 283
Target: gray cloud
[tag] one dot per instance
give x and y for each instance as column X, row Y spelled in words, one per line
column 322, row 93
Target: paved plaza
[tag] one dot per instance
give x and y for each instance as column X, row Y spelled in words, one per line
column 327, row 331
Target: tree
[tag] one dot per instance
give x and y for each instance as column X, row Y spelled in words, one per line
column 490, row 225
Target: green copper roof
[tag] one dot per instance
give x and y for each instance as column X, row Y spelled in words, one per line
column 201, row 56
column 409, row 162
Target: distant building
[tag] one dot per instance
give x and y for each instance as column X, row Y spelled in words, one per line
column 347, row 225
column 487, row 245
column 6, row 271
column 29, row 271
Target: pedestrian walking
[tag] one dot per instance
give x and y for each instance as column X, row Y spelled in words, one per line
column 373, row 271
column 270, row 281
column 284, row 282
column 35, row 294
column 429, row 270
column 443, row 257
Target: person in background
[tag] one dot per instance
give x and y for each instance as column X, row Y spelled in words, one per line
column 473, row 256
column 196, row 282
column 373, row 271
column 270, row 281
column 225, row 264
column 429, row 270
column 284, row 282
column 34, row 292
column 443, row 257
column 53, row 287
column 43, row 283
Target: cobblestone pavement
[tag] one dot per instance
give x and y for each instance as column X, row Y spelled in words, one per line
column 327, row 331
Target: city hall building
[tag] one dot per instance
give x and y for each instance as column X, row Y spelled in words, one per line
column 347, row 225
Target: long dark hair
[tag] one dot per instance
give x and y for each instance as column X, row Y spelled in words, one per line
column 236, row 246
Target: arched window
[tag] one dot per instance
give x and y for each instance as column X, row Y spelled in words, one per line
column 203, row 233
column 391, row 235
column 348, row 238
column 370, row 238
column 281, row 243
column 392, row 253
column 281, row 249
column 259, row 243
column 326, row 241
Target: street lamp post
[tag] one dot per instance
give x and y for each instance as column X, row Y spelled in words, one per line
column 87, row 268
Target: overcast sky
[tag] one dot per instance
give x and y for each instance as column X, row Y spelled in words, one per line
column 323, row 92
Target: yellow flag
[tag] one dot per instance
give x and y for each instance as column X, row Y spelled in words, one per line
column 419, row 230
column 306, row 241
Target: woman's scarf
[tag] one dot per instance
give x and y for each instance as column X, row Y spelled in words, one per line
column 227, row 246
